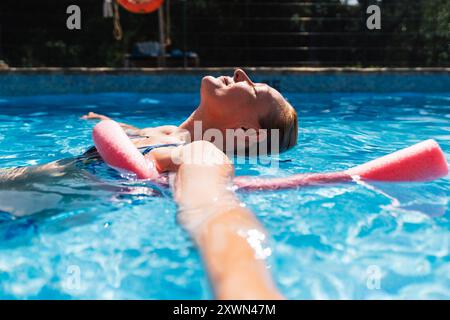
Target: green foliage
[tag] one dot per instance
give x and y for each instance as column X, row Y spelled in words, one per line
column 435, row 32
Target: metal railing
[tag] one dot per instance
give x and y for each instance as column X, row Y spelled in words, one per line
column 237, row 33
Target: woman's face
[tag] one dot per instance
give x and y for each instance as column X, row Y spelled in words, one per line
column 236, row 102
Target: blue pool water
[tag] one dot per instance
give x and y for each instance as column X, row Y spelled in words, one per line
column 111, row 239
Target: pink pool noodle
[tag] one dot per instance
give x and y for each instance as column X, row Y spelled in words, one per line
column 294, row 181
column 117, row 150
column 424, row 161
column 421, row 162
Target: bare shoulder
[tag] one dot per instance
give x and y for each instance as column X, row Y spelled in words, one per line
column 167, row 129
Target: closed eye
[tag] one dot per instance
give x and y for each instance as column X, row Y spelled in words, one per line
column 253, row 87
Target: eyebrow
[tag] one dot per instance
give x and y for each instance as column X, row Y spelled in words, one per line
column 252, row 84
column 257, row 85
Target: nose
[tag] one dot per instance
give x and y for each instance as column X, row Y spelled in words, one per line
column 240, row 75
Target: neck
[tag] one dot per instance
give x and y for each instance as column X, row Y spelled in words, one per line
column 188, row 124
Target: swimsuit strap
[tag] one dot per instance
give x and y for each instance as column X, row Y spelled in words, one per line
column 92, row 151
column 162, row 145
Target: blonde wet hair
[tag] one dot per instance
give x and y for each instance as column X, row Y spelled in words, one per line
column 283, row 118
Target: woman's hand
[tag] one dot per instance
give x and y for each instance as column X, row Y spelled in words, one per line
column 94, row 116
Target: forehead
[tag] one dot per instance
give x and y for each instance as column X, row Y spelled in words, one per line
column 269, row 99
column 265, row 91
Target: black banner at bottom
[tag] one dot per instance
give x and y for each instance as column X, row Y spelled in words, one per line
column 205, row 309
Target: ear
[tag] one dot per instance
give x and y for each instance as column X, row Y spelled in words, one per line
column 257, row 135
column 247, row 125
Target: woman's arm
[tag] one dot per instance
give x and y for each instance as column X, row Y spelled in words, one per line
column 162, row 133
column 230, row 239
column 96, row 116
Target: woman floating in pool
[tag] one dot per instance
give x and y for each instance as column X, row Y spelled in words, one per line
column 226, row 103
column 229, row 237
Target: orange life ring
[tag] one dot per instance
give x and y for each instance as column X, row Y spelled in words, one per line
column 141, row 6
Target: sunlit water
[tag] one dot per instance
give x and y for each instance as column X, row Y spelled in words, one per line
column 106, row 237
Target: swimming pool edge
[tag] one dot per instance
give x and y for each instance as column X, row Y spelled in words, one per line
column 47, row 81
